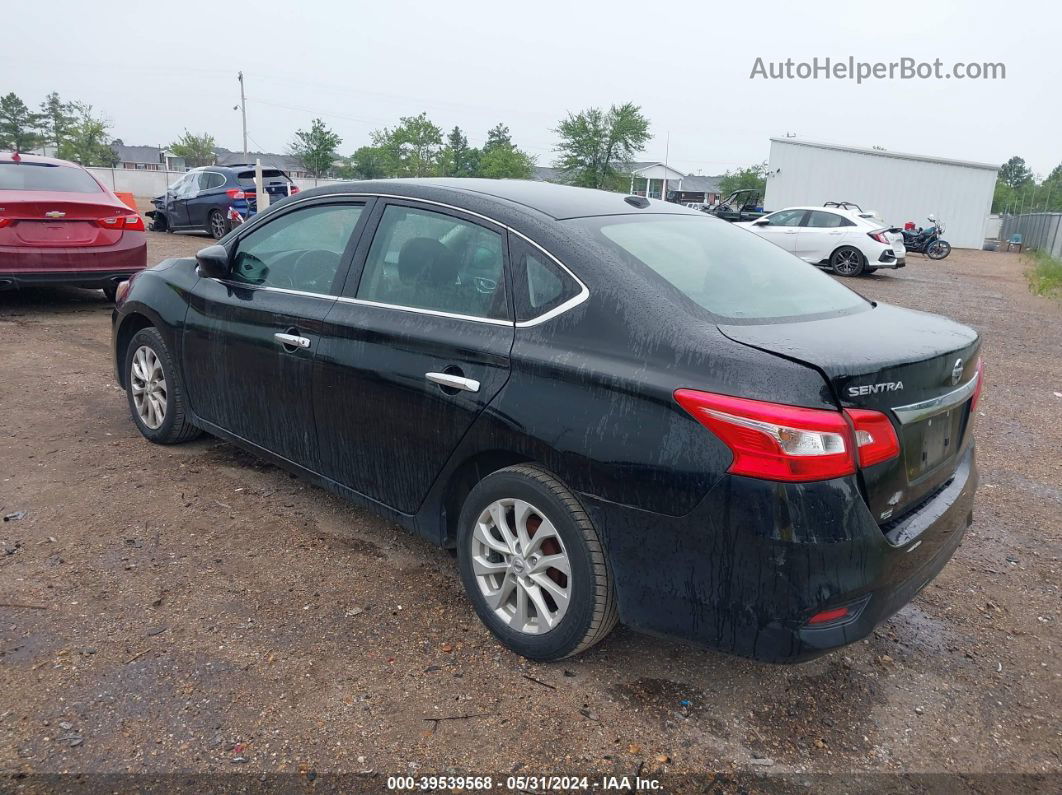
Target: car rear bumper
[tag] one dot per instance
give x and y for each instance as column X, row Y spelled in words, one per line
column 745, row 570
column 86, row 266
column 889, row 259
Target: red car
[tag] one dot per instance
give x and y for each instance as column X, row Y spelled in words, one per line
column 60, row 225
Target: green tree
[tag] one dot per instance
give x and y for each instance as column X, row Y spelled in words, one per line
column 315, row 148
column 18, row 125
column 56, row 120
column 754, row 177
column 412, row 148
column 87, row 142
column 457, row 158
column 197, row 150
column 369, row 162
column 1015, row 173
column 498, row 137
column 596, row 146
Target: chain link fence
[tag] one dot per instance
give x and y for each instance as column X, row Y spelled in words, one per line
column 1041, row 231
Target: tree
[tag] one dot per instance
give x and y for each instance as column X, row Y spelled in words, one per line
column 1015, row 173
column 596, row 146
column 505, row 163
column 457, row 158
column 18, row 125
column 197, row 150
column 56, row 120
column 315, row 148
column 87, row 140
column 498, row 136
column 369, row 162
column 754, row 177
column 412, row 148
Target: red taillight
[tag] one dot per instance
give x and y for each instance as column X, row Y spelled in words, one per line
column 880, row 237
column 875, row 437
column 827, row 616
column 775, row 441
column 980, row 384
column 293, row 189
column 791, row 443
column 5, row 222
column 236, row 193
column 131, row 223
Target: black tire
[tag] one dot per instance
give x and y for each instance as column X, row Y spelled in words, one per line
column 217, row 224
column 158, row 223
column 110, row 292
column 591, row 613
column 175, row 426
column 848, row 261
column 938, row 249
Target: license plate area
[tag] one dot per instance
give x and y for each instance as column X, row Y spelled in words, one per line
column 932, row 441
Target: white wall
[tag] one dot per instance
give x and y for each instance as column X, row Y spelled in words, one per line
column 147, row 184
column 899, row 189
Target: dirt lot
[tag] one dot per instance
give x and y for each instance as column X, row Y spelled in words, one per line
column 191, row 608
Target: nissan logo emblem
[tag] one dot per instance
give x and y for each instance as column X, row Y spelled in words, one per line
column 956, row 372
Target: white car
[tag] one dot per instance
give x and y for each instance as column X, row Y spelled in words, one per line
column 847, row 241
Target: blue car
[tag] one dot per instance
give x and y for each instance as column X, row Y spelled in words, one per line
column 213, row 199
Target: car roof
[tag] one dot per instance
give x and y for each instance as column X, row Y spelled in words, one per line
column 557, row 201
column 850, row 214
column 47, row 161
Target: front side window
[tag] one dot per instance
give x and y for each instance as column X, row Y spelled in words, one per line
column 427, row 260
column 825, row 220
column 785, row 218
column 733, row 274
column 299, row 250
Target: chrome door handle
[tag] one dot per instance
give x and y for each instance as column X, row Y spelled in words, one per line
column 291, row 340
column 790, row 231
column 453, row 381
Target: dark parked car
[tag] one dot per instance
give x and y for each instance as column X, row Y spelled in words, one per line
column 60, row 225
column 213, row 199
column 612, row 408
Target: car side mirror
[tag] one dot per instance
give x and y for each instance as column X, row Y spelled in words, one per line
column 761, row 222
column 213, row 262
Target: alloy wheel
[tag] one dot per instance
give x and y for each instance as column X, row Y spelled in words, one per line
column 217, row 225
column 148, row 384
column 521, row 566
column 847, row 262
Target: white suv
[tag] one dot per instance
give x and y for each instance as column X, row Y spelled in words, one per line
column 848, row 242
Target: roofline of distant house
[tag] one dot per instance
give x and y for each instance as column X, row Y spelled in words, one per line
column 885, row 153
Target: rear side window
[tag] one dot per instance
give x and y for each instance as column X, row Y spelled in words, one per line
column 427, row 260
column 733, row 273
column 42, row 176
column 299, row 250
column 825, row 220
column 540, row 285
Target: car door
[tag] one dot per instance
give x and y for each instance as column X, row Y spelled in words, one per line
column 821, row 234
column 413, row 351
column 781, row 228
column 177, row 199
column 250, row 338
column 207, row 197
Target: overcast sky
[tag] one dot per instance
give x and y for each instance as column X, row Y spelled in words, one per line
column 156, row 68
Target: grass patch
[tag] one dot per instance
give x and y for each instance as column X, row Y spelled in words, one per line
column 1045, row 274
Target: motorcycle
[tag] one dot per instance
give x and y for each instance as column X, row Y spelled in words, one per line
column 927, row 241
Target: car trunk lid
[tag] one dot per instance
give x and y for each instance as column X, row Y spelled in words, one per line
column 918, row 369
column 58, row 219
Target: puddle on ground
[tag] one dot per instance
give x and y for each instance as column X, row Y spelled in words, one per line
column 666, row 700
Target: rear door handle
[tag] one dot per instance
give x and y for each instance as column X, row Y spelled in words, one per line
column 291, row 340
column 453, row 381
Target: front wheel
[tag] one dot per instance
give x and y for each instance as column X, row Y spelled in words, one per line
column 848, row 261
column 938, row 249
column 153, row 387
column 533, row 565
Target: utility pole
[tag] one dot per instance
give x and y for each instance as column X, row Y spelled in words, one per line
column 243, row 112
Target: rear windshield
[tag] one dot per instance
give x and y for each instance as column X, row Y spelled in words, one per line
column 272, row 174
column 45, row 176
column 730, row 271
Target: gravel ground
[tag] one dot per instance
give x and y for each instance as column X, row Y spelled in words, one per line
column 192, row 608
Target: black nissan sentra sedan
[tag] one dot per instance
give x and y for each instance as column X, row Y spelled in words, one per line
column 614, row 409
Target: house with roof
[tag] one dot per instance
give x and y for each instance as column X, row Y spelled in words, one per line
column 147, row 158
column 286, row 163
column 655, row 180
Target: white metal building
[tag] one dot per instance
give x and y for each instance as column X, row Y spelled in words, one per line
column 899, row 187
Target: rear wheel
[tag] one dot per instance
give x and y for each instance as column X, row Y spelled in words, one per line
column 533, row 565
column 155, row 393
column 217, row 225
column 848, row 261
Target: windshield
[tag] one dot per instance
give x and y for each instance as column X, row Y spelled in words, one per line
column 730, row 271
column 46, row 176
